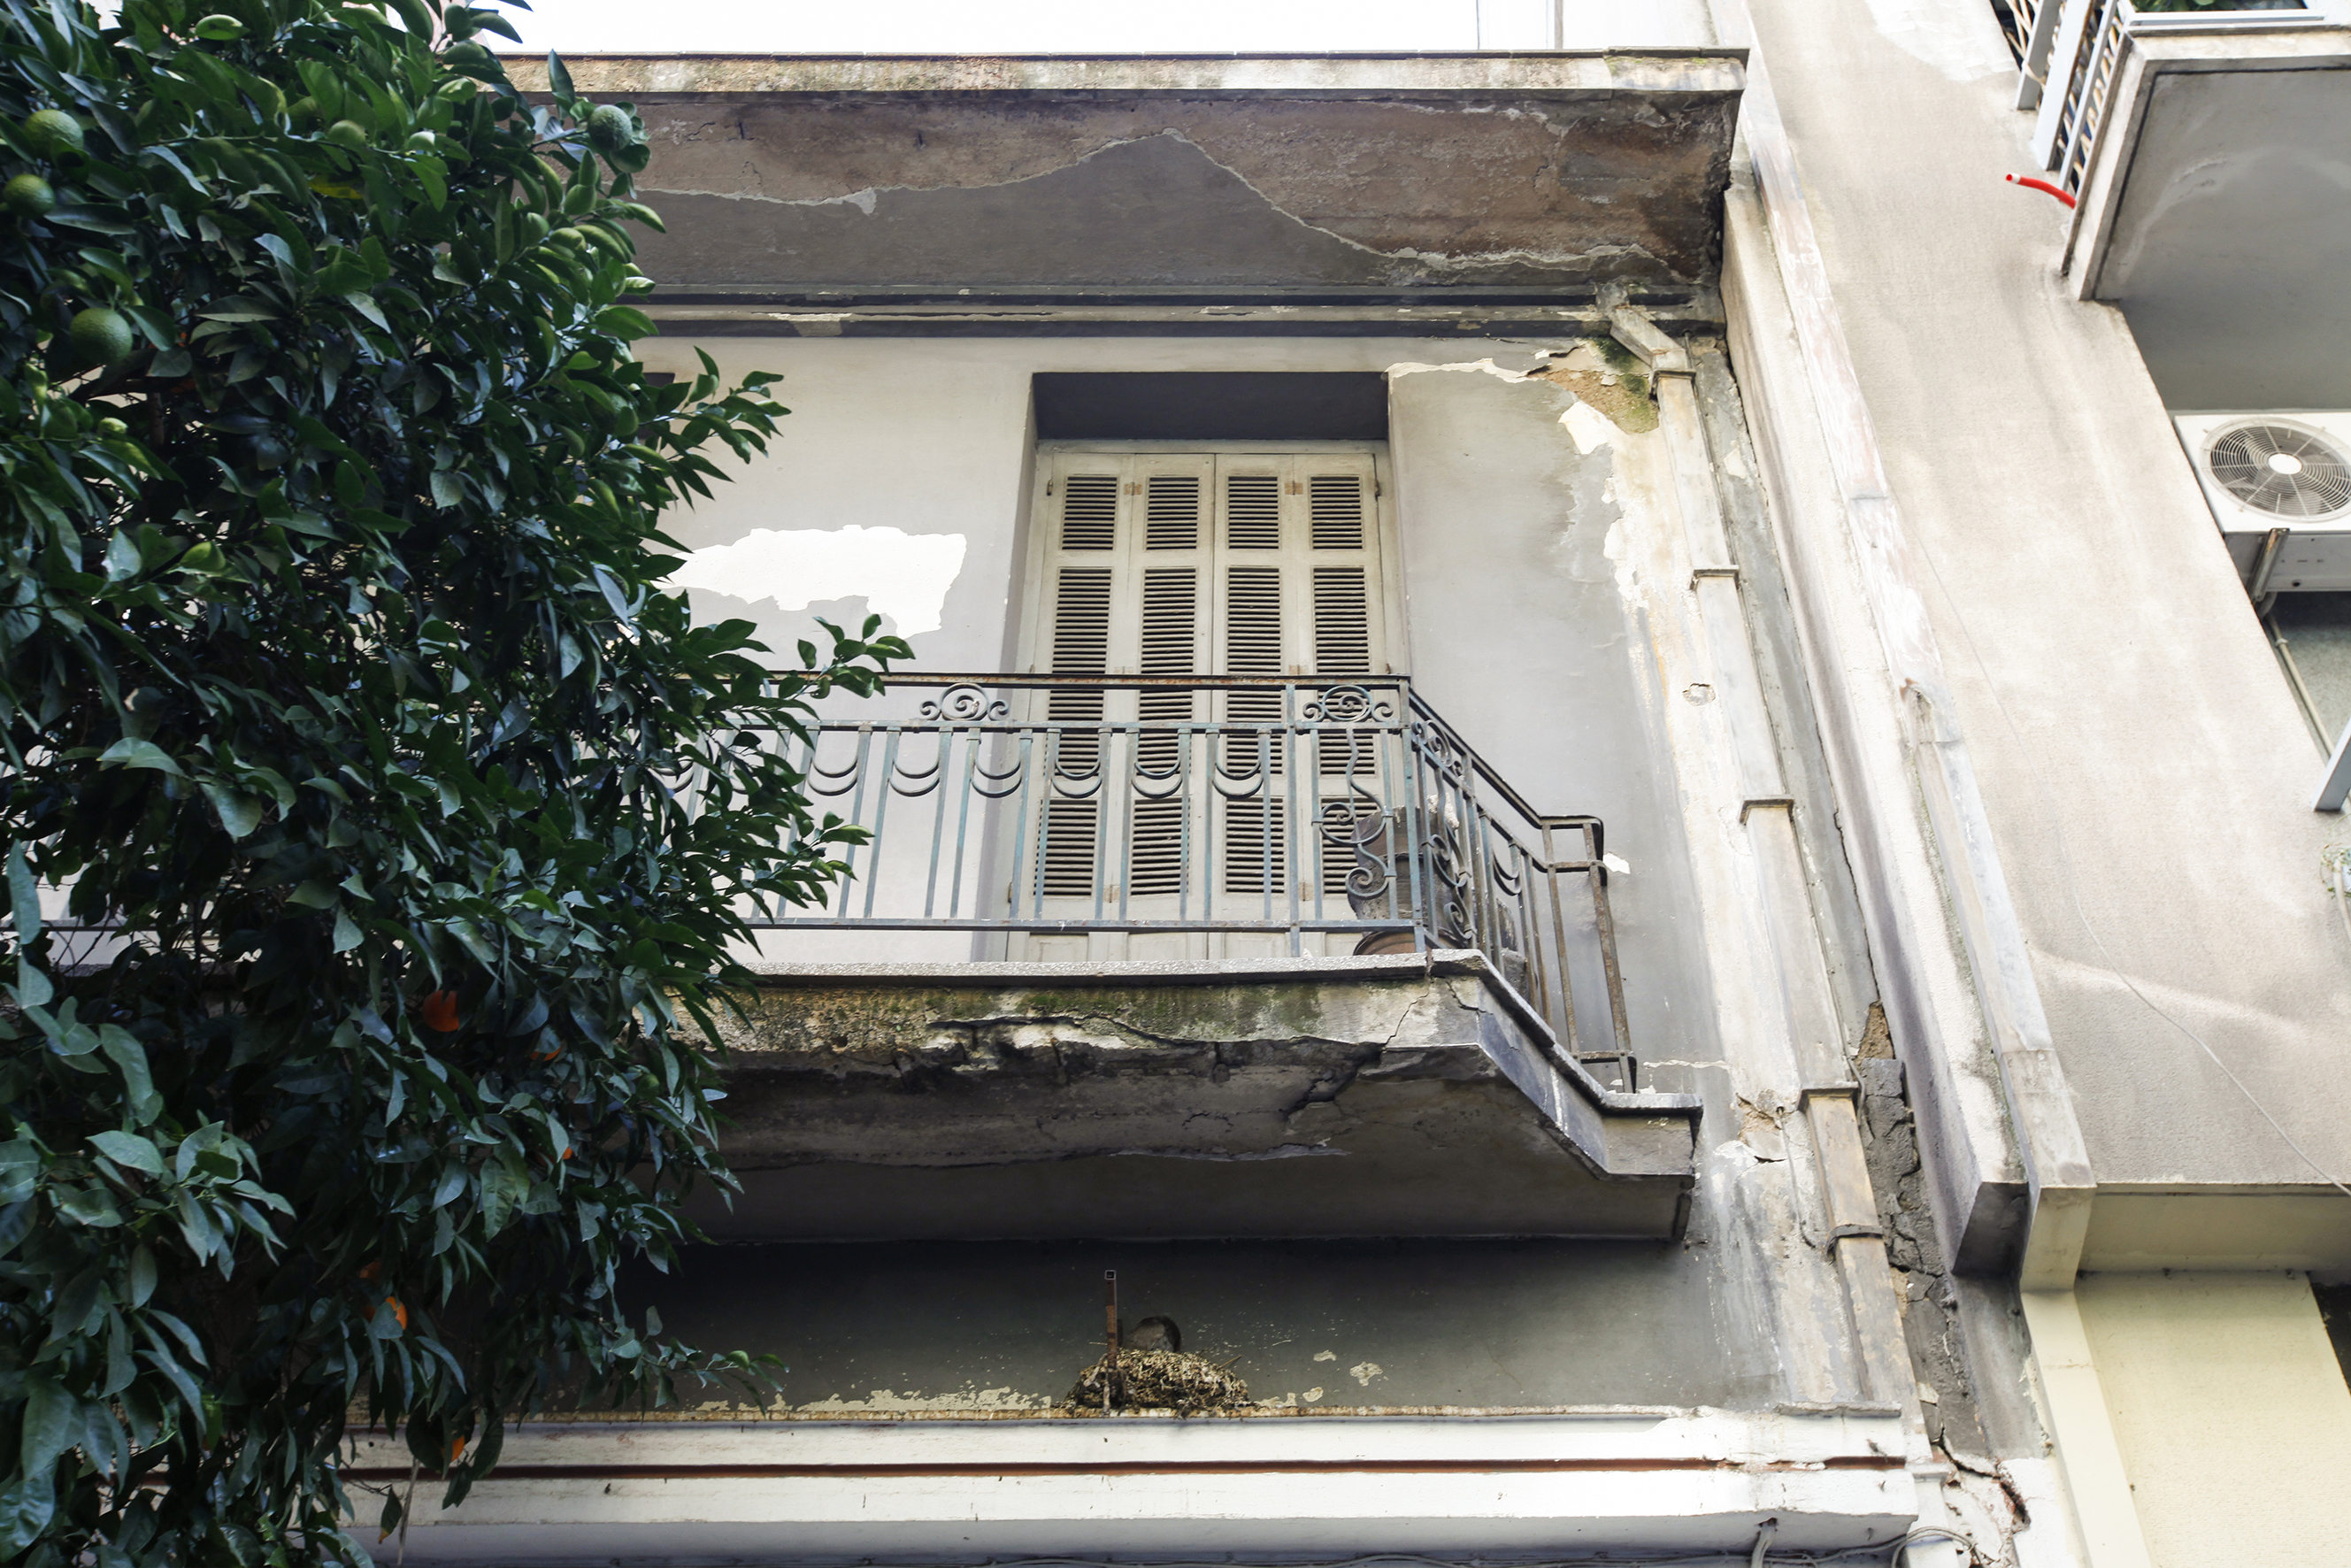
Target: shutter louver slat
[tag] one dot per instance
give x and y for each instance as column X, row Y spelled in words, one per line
column 1342, row 621
column 1170, row 620
column 1342, row 646
column 1253, row 647
column 1081, row 621
column 1171, row 640
column 1336, row 511
column 1066, row 858
column 1171, row 512
column 1253, row 511
column 1089, row 511
column 1080, row 646
column 1253, row 621
column 1156, row 861
column 1255, row 860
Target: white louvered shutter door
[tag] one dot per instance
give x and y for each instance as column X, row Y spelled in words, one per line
column 1124, row 592
column 1174, row 551
column 1299, row 597
column 1086, row 615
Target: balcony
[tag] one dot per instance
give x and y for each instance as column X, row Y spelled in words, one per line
column 2205, row 148
column 1185, row 957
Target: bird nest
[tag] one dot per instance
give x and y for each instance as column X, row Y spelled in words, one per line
column 1161, row 1380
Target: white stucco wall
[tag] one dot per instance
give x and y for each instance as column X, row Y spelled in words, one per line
column 2231, row 1412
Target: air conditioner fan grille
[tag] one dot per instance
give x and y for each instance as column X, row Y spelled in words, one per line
column 2280, row 470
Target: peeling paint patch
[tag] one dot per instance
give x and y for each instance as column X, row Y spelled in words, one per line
column 1364, row 1372
column 1587, row 427
column 902, row 576
column 1487, row 365
column 1607, row 383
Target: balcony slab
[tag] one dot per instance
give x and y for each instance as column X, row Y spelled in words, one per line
column 1405, row 1095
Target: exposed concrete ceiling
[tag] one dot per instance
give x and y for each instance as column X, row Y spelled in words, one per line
column 801, row 176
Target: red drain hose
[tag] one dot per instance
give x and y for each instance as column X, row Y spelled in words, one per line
column 2040, row 184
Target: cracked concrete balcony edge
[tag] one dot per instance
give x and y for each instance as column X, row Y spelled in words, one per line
column 1235, row 971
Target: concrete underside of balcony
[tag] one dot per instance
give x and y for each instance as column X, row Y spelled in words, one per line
column 1409, row 1095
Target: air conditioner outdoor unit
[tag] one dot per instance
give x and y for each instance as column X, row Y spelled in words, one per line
column 2278, row 476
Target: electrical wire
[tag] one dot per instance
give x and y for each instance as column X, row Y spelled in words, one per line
column 2074, row 884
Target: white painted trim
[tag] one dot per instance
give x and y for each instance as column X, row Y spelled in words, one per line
column 2105, row 1520
column 1702, row 1480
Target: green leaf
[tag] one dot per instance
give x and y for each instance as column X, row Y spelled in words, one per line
column 142, row 1275
column 20, row 1164
column 90, row 1207
column 122, row 562
column 26, row 1507
column 239, row 813
column 23, row 898
column 52, row 1418
column 130, row 1057
column 558, row 80
column 348, row 934
column 130, row 753
column 130, row 1149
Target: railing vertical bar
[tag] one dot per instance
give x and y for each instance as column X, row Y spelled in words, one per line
column 1566, row 1028
column 945, row 765
column 1291, row 857
column 1213, row 759
column 881, row 816
column 1105, row 739
column 856, row 813
column 1022, row 835
column 1318, row 748
column 1183, row 784
column 1128, row 796
column 973, row 740
column 1606, row 922
column 1415, row 840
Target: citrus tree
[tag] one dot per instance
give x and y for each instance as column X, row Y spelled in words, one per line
column 404, row 822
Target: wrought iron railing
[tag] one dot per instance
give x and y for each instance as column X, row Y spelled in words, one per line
column 1171, row 817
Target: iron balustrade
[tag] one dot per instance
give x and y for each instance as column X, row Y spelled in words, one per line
column 1318, row 811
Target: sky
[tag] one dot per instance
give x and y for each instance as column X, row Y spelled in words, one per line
column 1002, row 26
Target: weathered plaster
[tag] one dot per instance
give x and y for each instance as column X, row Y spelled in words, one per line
column 826, row 173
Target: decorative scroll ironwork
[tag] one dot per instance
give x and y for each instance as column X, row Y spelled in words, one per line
column 1336, row 816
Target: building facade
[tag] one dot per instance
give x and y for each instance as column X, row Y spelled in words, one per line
column 1587, row 779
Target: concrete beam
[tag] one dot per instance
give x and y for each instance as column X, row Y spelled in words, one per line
column 1787, row 279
